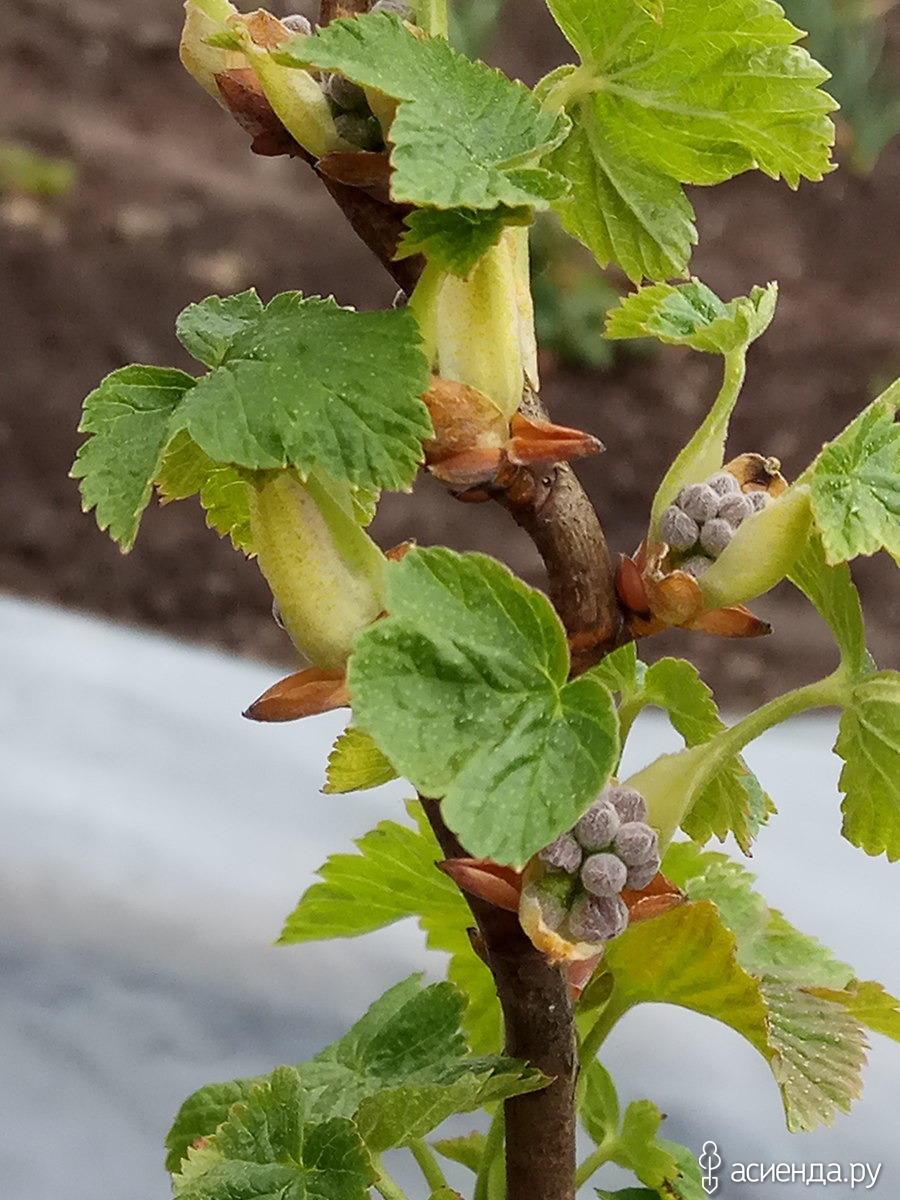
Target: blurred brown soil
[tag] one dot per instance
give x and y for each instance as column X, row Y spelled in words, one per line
column 170, row 206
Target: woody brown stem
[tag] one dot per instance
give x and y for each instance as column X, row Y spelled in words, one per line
column 551, row 506
column 539, row 1028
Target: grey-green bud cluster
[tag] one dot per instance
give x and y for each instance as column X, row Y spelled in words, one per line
column 704, row 517
column 610, row 848
column 353, row 118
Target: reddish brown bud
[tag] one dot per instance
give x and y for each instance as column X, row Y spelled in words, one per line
column 486, row 879
column 542, row 442
column 315, row 690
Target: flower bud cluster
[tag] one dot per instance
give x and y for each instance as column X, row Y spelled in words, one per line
column 609, row 849
column 704, row 518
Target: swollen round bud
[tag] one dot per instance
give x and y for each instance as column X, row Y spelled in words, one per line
column 639, row 876
column 564, row 854
column 715, row 536
column 698, row 500
column 758, row 500
column 344, row 94
column 678, row 529
column 635, row 843
column 598, row 826
column 401, row 7
column 734, row 508
column 604, row 874
column 598, row 918
column 695, row 566
column 724, row 483
column 297, row 23
column 628, row 803
column 359, row 130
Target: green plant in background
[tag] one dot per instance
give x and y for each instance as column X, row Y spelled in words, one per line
column 24, row 169
column 563, row 895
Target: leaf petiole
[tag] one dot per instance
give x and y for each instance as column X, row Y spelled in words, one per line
column 493, row 1148
column 428, row 1164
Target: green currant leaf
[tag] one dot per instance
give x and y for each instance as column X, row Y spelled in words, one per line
column 128, row 417
column 599, row 1107
column 392, row 877
column 818, row 1050
column 465, row 136
column 208, row 329
column 869, row 1003
column 265, row 1148
column 397, row 1073
column 463, row 687
column 766, row 942
column 705, row 92
column 869, row 744
column 640, row 1151
column 355, row 764
column 815, row 1047
column 622, row 671
column 311, row 385
column 687, row 957
column 456, row 238
column 467, row 1150
column 625, row 211
column 856, row 484
column 683, row 93
column 732, row 801
column 831, row 590
column 402, row 1073
column 692, row 315
column 186, row 471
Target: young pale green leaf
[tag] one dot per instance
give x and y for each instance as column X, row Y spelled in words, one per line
column 732, row 801
column 128, row 417
column 831, row 590
column 308, row 384
column 639, row 1149
column 355, row 764
column 393, row 876
column 815, row 1047
column 467, row 1150
column 869, row 1003
column 265, row 1148
column 856, row 485
column 456, row 238
column 766, row 943
column 689, row 314
column 688, row 957
column 186, row 471
column 635, row 1145
column 704, row 91
column 818, row 1050
column 463, row 686
column 207, row 329
column 625, row 211
column 599, row 1107
column 622, row 671
column 869, row 744
column 464, row 135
